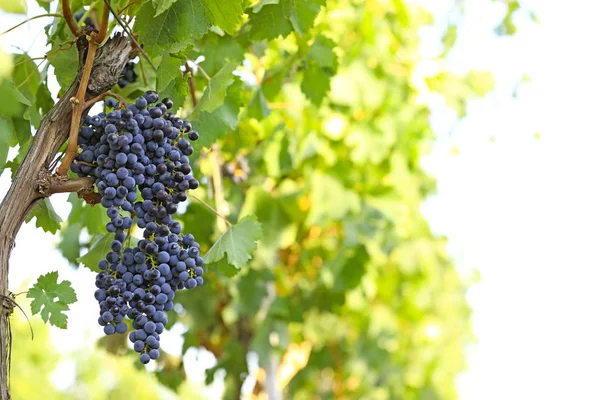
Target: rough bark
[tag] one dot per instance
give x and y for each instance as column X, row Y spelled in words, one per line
column 33, row 175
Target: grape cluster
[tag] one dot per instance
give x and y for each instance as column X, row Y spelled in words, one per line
column 141, row 149
column 128, row 75
column 236, row 170
column 89, row 23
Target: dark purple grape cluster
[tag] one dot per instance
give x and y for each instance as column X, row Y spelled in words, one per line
column 128, row 75
column 237, row 170
column 141, row 149
column 89, row 23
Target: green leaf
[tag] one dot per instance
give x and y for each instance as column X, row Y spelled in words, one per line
column 214, row 125
column 13, row 164
column 51, row 299
column 43, row 98
column 279, row 231
column 330, row 200
column 45, row 216
column 45, row 4
column 173, row 29
column 218, row 51
column 100, row 247
column 13, row 102
column 65, row 65
column 225, row 14
column 321, row 51
column 7, row 139
column 14, row 6
column 178, row 91
column 93, row 218
column 303, row 14
column 162, row 5
column 26, row 78
column 322, row 64
column 315, row 83
column 69, row 245
column 214, row 94
column 236, row 244
column 258, row 6
column 270, row 20
column 170, row 81
column 168, row 69
column 258, row 108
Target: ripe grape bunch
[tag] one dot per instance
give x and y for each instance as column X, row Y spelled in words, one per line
column 141, row 148
column 128, row 75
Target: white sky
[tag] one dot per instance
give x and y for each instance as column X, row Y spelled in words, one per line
column 524, row 212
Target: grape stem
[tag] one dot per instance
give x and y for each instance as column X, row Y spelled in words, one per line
column 70, row 185
column 70, row 19
column 192, row 84
column 31, row 19
column 200, row 69
column 198, row 199
column 134, row 2
column 217, row 180
column 96, row 99
column 78, row 103
column 130, row 33
column 104, row 24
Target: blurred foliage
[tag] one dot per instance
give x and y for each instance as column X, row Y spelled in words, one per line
column 80, row 375
column 349, row 294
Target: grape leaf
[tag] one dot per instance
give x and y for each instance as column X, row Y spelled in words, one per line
column 162, row 6
column 170, row 82
column 214, row 94
column 270, row 20
column 315, row 84
column 258, row 108
column 213, row 125
column 172, row 30
column 177, row 90
column 51, row 299
column 303, row 14
column 13, row 164
column 218, row 51
column 321, row 51
column 14, row 6
column 322, row 65
column 13, row 101
column 7, row 139
column 64, row 67
column 93, row 218
column 69, row 245
column 330, row 200
column 168, row 69
column 258, row 6
column 97, row 251
column 225, row 14
column 45, row 216
column 45, row 4
column 236, row 244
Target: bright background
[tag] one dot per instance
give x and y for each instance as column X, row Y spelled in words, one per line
column 518, row 199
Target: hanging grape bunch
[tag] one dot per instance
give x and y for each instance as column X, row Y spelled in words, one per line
column 128, row 75
column 89, row 23
column 237, row 170
column 144, row 149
